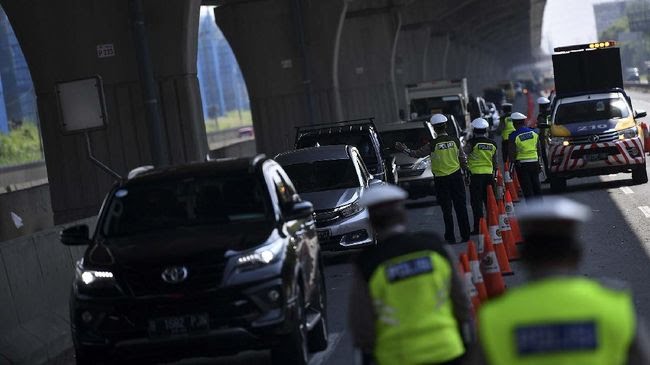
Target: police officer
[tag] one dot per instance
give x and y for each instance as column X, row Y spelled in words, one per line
column 505, row 128
column 448, row 160
column 543, row 119
column 407, row 303
column 481, row 161
column 524, row 151
column 560, row 317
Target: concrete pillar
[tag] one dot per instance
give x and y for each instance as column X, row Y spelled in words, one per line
column 63, row 47
column 286, row 51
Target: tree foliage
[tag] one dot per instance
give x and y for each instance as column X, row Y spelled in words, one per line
column 21, row 145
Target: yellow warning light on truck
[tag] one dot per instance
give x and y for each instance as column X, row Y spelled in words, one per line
column 582, row 47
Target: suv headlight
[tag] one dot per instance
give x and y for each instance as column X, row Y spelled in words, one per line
column 560, row 140
column 628, row 133
column 423, row 164
column 262, row 255
column 93, row 278
column 350, row 209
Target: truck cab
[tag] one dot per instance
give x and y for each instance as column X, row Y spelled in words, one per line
column 593, row 129
column 443, row 96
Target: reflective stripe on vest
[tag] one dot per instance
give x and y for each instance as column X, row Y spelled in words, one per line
column 480, row 159
column 526, row 144
column 444, row 158
column 415, row 321
column 507, row 129
column 558, row 321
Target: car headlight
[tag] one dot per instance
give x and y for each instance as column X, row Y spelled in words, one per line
column 93, row 278
column 628, row 133
column 560, row 140
column 422, row 164
column 350, row 209
column 262, row 255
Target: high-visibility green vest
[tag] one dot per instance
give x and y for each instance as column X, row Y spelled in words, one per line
column 558, row 321
column 422, row 329
column 444, row 157
column 526, row 144
column 480, row 159
column 507, row 129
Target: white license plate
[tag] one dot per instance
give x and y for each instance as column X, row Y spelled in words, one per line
column 170, row 326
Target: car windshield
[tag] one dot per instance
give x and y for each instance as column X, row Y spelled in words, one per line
column 323, row 175
column 412, row 138
column 360, row 140
column 589, row 110
column 186, row 202
column 428, row 106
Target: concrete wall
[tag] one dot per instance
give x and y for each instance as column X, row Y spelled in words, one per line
column 19, row 174
column 35, row 283
column 32, row 205
column 63, row 47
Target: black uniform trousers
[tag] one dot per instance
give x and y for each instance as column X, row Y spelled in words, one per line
column 478, row 185
column 504, row 151
column 450, row 192
column 528, row 173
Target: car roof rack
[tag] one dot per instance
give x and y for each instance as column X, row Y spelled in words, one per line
column 343, row 123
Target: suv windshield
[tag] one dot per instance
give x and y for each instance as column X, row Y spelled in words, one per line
column 185, row 202
column 360, row 140
column 323, row 175
column 412, row 138
column 589, row 110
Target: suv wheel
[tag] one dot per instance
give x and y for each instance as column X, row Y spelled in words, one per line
column 318, row 334
column 294, row 349
column 639, row 175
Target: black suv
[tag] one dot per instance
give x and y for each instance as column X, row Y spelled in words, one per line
column 203, row 259
column 360, row 133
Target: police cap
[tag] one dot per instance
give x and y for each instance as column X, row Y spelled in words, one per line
column 382, row 194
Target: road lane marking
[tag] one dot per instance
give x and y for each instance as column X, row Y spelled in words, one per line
column 645, row 210
column 626, row 190
column 612, row 175
column 320, row 357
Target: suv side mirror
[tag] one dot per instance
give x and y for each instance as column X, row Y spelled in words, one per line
column 75, row 236
column 299, row 210
column 640, row 114
column 374, row 182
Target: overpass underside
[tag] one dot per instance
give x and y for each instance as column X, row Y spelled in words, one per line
column 304, row 61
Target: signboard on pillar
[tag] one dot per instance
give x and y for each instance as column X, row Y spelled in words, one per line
column 82, row 107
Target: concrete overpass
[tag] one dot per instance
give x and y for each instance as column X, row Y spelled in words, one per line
column 303, row 61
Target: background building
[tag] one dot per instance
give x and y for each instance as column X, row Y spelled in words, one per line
column 607, row 13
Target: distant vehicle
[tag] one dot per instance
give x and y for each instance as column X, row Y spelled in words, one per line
column 333, row 178
column 444, row 96
column 415, row 174
column 594, row 130
column 509, row 89
column 496, row 96
column 360, row 133
column 245, row 132
column 632, row 74
column 222, row 253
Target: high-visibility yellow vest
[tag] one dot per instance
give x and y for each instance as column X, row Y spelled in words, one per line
column 507, row 129
column 480, row 159
column 526, row 144
column 444, row 157
column 422, row 329
column 558, row 321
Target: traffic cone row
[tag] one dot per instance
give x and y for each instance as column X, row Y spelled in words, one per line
column 495, row 234
column 514, row 224
column 510, row 185
column 506, row 233
column 500, row 189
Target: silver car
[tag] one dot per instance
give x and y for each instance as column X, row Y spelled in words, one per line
column 333, row 178
column 414, row 174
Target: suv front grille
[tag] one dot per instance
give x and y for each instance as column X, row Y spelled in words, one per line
column 602, row 137
column 147, row 280
column 327, row 217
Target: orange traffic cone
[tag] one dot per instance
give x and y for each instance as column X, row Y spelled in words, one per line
column 506, row 234
column 515, row 179
column 491, row 271
column 491, row 201
column 472, row 293
column 480, row 240
column 510, row 185
column 500, row 186
column 475, row 268
column 495, row 238
column 514, row 224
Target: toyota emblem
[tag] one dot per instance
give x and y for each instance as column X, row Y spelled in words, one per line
column 594, row 138
column 174, row 274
